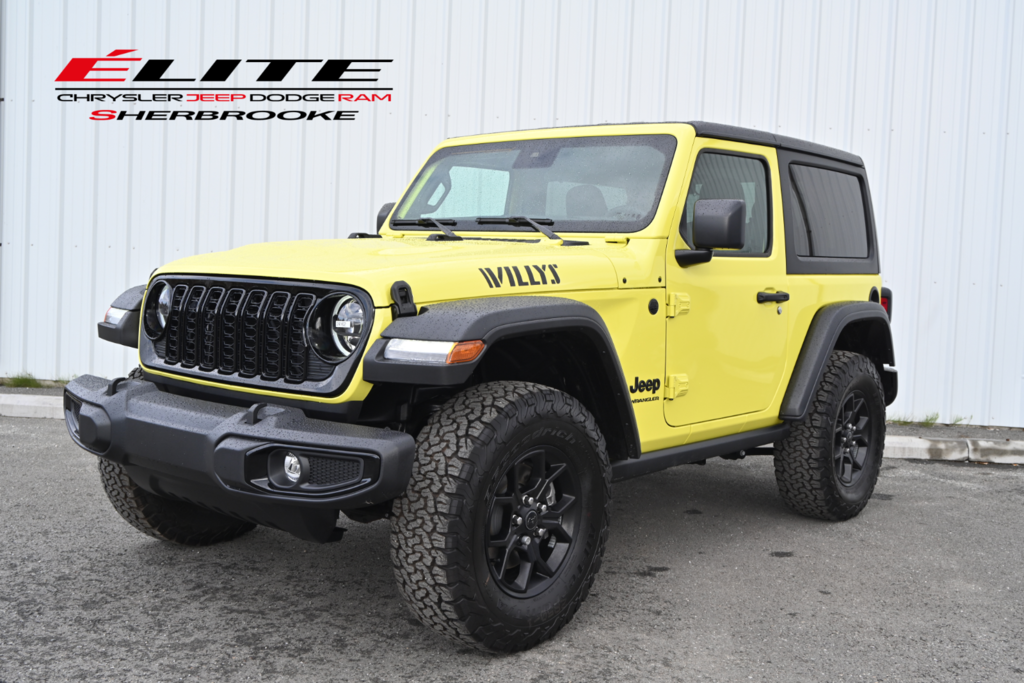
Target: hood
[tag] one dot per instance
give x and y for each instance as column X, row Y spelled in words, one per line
column 436, row 271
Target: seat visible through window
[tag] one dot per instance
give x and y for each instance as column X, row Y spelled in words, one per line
column 585, row 201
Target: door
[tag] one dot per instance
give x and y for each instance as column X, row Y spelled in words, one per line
column 726, row 352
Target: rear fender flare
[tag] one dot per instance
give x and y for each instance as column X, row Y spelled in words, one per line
column 873, row 339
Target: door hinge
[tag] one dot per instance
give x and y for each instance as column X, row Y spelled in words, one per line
column 678, row 304
column 676, row 386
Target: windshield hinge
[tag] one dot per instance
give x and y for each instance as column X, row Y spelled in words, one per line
column 678, row 304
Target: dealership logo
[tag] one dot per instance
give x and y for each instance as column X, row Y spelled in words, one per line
column 79, row 70
column 106, row 79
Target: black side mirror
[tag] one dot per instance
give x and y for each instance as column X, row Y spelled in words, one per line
column 383, row 214
column 719, row 223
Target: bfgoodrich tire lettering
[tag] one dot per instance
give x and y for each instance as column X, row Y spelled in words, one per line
column 441, row 525
column 828, row 465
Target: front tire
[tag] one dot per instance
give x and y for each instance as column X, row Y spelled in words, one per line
column 828, row 465
column 498, row 538
column 163, row 518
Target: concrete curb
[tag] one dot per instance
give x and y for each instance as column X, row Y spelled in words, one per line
column 897, row 447
column 1000, row 452
column 31, row 405
column 917, row 448
column 959, row 450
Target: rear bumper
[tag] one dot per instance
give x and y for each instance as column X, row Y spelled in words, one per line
column 217, row 456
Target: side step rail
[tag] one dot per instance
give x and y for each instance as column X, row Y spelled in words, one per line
column 695, row 452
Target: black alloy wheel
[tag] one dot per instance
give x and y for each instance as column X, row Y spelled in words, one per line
column 499, row 535
column 852, row 438
column 533, row 518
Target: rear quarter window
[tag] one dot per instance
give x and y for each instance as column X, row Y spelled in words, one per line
column 828, row 218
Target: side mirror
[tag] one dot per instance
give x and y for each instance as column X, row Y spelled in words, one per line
column 383, row 214
column 719, row 223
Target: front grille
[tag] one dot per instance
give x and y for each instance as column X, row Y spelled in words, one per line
column 248, row 330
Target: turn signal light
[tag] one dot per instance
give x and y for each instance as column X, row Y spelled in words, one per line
column 465, row 352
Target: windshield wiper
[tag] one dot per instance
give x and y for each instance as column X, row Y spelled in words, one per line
column 430, row 223
column 535, row 223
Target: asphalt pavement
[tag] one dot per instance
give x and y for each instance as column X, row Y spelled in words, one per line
column 707, row 576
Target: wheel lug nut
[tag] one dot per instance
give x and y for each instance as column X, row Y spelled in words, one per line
column 543, row 508
column 529, row 501
column 518, row 520
column 526, row 540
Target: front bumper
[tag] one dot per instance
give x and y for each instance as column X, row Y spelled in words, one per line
column 216, row 455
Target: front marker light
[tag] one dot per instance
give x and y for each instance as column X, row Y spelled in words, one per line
column 114, row 315
column 417, row 351
column 433, row 352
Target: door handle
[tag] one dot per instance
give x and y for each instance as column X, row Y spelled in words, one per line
column 765, row 297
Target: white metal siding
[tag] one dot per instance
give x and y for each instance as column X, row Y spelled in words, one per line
column 928, row 93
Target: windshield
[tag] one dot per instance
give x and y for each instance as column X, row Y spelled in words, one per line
column 595, row 184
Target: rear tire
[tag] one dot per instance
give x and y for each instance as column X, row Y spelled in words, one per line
column 828, row 465
column 495, row 454
column 163, row 518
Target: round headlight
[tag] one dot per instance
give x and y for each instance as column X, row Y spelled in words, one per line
column 158, row 309
column 336, row 328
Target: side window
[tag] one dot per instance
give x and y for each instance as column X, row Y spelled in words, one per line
column 469, row 191
column 829, row 217
column 725, row 176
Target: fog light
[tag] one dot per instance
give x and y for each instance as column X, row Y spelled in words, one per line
column 287, row 469
column 292, row 467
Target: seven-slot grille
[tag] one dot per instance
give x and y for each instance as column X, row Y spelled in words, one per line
column 250, row 330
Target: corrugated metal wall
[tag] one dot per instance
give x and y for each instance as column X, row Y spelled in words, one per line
column 929, row 93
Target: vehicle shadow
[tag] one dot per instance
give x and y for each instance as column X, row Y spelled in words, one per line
column 273, row 599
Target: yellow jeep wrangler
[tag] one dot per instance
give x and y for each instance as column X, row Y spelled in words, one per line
column 541, row 314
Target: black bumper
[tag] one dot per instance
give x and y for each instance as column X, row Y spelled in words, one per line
column 217, row 456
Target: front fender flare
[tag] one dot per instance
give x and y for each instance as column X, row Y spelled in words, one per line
column 126, row 331
column 491, row 320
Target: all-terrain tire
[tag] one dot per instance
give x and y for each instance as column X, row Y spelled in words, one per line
column 815, row 476
column 441, row 526
column 163, row 518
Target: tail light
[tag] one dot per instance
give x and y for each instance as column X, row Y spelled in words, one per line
column 886, row 301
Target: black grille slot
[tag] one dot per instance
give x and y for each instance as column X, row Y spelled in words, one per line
column 249, row 360
column 334, row 471
column 297, row 353
column 208, row 347
column 247, row 332
column 275, row 336
column 229, row 332
column 173, row 332
column 190, row 328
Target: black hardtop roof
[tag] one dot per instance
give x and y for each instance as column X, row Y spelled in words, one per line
column 721, row 131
